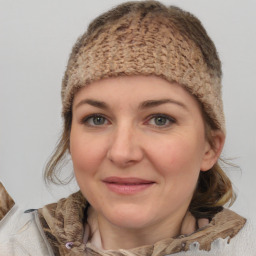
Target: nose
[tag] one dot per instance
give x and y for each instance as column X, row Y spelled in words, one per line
column 125, row 149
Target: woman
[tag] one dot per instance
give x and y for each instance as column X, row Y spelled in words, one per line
column 144, row 125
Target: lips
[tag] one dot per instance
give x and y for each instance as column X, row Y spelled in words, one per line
column 128, row 185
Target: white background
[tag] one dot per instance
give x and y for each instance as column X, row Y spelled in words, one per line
column 35, row 40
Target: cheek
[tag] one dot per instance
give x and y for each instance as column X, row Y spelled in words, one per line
column 178, row 166
column 176, row 154
column 86, row 154
column 178, row 160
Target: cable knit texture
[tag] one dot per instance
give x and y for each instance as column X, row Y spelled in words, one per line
column 139, row 41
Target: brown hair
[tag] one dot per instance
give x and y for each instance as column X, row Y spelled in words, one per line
column 214, row 189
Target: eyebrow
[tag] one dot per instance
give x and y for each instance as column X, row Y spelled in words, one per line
column 144, row 105
column 94, row 103
column 155, row 103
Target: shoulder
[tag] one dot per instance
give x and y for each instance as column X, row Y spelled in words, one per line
column 20, row 232
column 229, row 240
column 244, row 243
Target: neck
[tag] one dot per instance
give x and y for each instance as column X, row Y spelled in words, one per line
column 114, row 237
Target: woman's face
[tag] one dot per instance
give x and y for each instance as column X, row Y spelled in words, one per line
column 138, row 145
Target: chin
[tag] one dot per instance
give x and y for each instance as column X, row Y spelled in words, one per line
column 129, row 217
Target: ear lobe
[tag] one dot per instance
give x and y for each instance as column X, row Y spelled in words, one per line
column 212, row 152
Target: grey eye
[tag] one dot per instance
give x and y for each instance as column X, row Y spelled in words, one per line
column 160, row 120
column 98, row 120
column 94, row 120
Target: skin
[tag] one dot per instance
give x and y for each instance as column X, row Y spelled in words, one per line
column 163, row 142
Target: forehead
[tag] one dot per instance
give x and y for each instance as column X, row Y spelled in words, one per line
column 134, row 90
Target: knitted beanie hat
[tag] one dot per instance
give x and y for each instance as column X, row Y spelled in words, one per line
column 148, row 38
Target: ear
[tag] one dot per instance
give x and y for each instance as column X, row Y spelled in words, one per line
column 212, row 152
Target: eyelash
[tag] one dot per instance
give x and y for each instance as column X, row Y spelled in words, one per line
column 168, row 118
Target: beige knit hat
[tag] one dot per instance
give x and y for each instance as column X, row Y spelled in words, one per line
column 148, row 38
